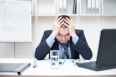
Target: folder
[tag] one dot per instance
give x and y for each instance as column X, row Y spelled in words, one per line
column 60, row 6
column 64, row 6
column 93, row 6
column 97, row 7
column 75, row 7
column 89, row 9
column 13, row 67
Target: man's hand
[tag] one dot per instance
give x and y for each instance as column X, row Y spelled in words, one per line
column 71, row 27
column 56, row 27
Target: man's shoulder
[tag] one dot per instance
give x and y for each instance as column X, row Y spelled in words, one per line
column 78, row 30
column 48, row 31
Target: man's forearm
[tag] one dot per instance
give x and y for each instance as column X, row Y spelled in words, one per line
column 42, row 50
column 75, row 39
column 50, row 40
column 83, row 48
column 44, row 47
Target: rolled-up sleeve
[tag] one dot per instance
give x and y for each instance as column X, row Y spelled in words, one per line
column 75, row 39
column 50, row 41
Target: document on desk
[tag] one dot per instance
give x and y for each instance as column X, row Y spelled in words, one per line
column 13, row 67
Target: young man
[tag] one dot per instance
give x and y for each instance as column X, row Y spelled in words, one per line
column 64, row 37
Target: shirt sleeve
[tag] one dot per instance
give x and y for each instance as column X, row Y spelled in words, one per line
column 50, row 40
column 75, row 39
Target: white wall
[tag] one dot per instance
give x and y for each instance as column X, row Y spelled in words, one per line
column 91, row 26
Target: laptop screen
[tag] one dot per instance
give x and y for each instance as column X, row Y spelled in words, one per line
column 107, row 48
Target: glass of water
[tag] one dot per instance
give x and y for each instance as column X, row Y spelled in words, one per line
column 54, row 56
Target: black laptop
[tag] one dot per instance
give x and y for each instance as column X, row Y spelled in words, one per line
column 106, row 58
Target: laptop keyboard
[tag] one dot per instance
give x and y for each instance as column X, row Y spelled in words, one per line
column 88, row 65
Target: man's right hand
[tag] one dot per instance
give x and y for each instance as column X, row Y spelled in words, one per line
column 56, row 27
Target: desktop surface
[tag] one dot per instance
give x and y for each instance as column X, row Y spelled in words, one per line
column 44, row 69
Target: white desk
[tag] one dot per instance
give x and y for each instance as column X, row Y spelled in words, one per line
column 44, row 69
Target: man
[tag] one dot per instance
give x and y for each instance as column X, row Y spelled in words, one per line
column 64, row 33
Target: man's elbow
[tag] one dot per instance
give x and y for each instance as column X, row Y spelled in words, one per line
column 88, row 57
column 37, row 56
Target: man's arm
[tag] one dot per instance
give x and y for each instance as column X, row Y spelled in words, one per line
column 81, row 46
column 47, row 40
column 42, row 49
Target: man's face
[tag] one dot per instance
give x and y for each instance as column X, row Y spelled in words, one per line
column 63, row 35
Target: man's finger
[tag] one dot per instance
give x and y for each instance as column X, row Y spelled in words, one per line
column 59, row 19
column 62, row 20
column 68, row 22
column 61, row 23
column 66, row 25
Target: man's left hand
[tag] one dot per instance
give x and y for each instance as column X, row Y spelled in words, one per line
column 71, row 27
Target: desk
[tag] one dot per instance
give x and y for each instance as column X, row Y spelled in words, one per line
column 43, row 69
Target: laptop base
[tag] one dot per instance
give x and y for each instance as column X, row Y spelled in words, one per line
column 92, row 66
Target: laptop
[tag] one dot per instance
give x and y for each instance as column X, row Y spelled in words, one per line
column 106, row 57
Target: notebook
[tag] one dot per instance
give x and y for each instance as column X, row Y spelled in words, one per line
column 13, row 67
column 106, row 57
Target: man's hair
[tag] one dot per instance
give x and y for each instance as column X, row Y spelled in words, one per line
column 64, row 16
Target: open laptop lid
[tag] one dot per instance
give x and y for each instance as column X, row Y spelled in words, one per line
column 107, row 48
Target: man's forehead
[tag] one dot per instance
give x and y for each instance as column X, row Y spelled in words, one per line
column 63, row 26
column 64, row 31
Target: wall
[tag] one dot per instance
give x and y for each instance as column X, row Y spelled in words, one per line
column 91, row 26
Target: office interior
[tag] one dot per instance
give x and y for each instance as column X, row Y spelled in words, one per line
column 92, row 26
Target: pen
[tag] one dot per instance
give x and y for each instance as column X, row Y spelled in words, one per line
column 64, row 62
column 34, row 63
column 76, row 62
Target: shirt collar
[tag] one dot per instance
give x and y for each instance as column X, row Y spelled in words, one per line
column 63, row 43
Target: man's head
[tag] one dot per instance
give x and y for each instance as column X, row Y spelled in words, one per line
column 64, row 17
column 63, row 35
